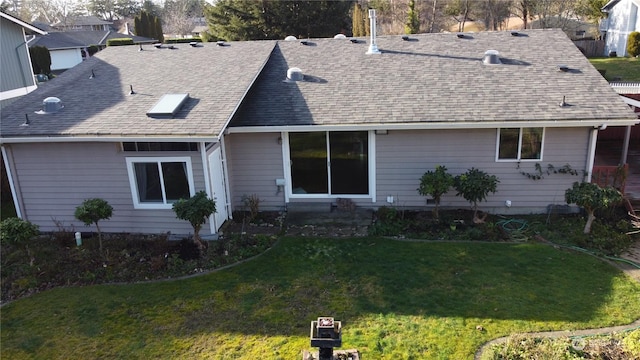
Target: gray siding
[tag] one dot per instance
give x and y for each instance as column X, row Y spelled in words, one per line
column 55, row 178
column 255, row 162
column 403, row 156
column 15, row 71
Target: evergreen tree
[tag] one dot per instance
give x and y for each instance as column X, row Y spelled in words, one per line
column 271, row 19
column 413, row 20
column 148, row 25
column 40, row 60
column 158, row 29
column 358, row 21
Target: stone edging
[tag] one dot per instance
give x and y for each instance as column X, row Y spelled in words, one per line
column 561, row 333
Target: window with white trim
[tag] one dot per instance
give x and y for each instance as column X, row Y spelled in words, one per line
column 158, row 182
column 518, row 144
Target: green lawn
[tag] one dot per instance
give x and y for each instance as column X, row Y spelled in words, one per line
column 625, row 68
column 396, row 300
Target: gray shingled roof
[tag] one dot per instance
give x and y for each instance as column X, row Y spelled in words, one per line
column 432, row 78
column 215, row 77
column 83, row 38
column 82, row 20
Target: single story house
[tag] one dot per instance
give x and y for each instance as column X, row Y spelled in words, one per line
column 82, row 23
column 623, row 18
column 305, row 123
column 69, row 48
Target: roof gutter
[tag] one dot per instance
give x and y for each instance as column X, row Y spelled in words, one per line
column 435, row 126
column 76, row 139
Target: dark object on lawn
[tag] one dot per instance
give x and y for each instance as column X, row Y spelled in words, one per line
column 325, row 335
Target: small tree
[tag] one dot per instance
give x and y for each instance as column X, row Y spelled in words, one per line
column 195, row 210
column 93, row 210
column 633, row 44
column 591, row 197
column 474, row 186
column 435, row 183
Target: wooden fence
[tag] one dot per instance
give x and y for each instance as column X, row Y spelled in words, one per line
column 590, row 48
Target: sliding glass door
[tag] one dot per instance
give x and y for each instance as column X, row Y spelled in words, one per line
column 332, row 163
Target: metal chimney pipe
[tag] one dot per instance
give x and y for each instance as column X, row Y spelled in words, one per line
column 373, row 47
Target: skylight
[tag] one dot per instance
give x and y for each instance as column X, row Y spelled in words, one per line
column 168, row 105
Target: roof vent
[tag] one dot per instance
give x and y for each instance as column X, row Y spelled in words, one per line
column 221, row 43
column 290, row 38
column 305, row 42
column 171, row 47
column 491, row 57
column 193, row 44
column 405, row 37
column 460, row 35
column 294, row 74
column 50, row 105
column 515, row 33
column 563, row 68
column 158, row 45
column 340, row 36
column 373, row 46
column 354, row 41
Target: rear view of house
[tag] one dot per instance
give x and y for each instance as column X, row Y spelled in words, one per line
column 306, row 123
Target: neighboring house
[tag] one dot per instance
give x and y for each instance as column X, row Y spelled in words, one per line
column 16, row 73
column 622, row 19
column 69, row 48
column 82, row 23
column 242, row 119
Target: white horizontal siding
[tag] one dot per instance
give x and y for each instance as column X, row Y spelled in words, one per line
column 255, row 162
column 55, row 178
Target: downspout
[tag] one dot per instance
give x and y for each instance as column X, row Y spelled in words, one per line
column 225, row 176
column 14, row 193
column 591, row 156
column 207, row 183
column 24, row 79
column 625, row 146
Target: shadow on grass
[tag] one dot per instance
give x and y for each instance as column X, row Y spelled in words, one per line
column 300, row 279
column 304, row 279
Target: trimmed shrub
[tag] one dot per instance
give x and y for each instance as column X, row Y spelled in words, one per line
column 633, row 44
column 120, row 42
column 92, row 49
column 14, row 231
column 182, row 40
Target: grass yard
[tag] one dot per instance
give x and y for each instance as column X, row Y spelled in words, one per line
column 625, row 69
column 396, row 300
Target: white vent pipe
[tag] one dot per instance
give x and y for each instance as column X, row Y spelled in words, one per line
column 373, row 47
